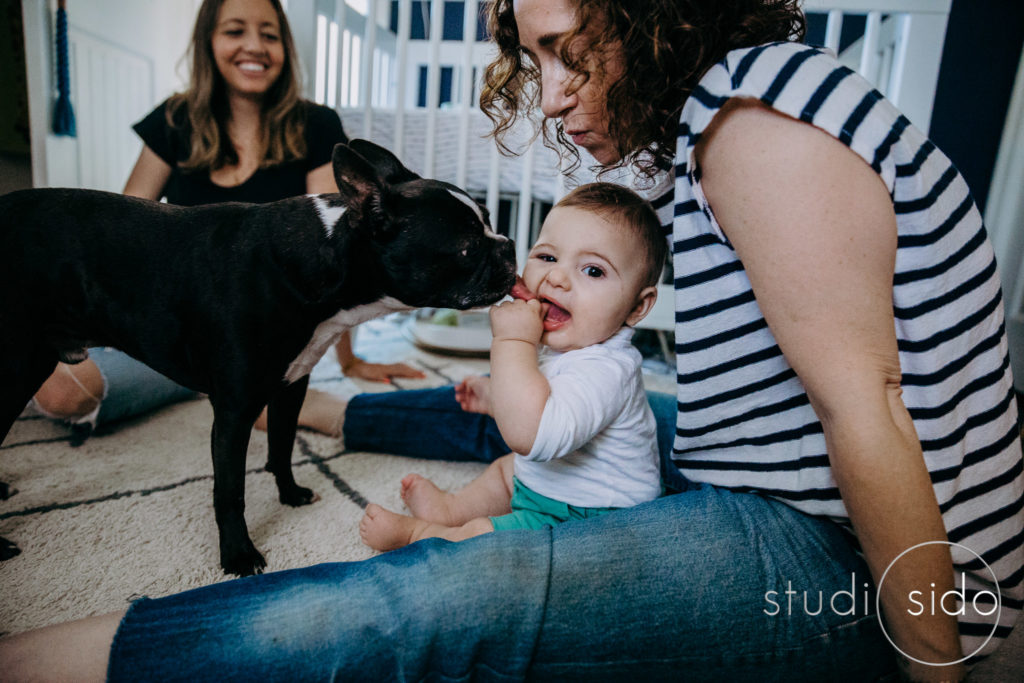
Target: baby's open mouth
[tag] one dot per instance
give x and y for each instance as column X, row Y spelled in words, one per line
column 555, row 316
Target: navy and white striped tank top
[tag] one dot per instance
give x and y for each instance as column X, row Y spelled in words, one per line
column 744, row 420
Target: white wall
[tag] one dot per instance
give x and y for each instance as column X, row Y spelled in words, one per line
column 146, row 38
column 158, row 29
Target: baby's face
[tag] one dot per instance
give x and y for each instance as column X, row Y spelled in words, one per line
column 589, row 272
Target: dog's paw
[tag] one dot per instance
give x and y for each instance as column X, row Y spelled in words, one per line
column 297, row 495
column 8, row 549
column 244, row 562
column 6, row 491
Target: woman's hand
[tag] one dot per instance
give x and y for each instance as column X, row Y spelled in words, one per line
column 379, row 372
column 355, row 367
column 474, row 394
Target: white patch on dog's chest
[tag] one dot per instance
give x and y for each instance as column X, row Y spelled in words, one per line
column 328, row 332
column 330, row 215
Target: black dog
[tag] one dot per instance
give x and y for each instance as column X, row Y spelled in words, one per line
column 237, row 301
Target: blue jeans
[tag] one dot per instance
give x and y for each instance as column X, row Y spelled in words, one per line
column 676, row 588
column 692, row 585
column 429, row 424
column 132, row 387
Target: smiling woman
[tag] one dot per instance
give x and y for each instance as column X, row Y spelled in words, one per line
column 243, row 104
column 247, row 47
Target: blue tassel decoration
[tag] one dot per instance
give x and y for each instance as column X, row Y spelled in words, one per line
column 63, row 114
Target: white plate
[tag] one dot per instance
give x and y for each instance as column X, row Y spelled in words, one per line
column 472, row 336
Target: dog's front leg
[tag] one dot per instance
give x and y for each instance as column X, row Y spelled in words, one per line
column 282, row 418
column 230, row 442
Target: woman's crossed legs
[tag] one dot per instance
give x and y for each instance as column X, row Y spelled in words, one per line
column 699, row 584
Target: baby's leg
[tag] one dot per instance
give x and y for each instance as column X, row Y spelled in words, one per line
column 385, row 530
column 486, row 496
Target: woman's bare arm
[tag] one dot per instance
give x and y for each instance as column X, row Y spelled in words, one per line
column 815, row 228
column 149, row 176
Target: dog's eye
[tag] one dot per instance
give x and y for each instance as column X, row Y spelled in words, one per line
column 464, row 253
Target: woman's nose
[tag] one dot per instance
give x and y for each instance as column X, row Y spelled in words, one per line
column 554, row 101
column 251, row 41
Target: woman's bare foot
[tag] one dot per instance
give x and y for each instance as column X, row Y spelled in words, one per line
column 321, row 412
column 426, row 501
column 385, row 530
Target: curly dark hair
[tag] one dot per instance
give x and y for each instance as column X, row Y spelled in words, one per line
column 668, row 46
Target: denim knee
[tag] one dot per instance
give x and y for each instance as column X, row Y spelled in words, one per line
column 436, row 609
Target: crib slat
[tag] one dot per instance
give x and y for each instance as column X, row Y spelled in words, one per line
column 331, row 99
column 402, row 64
column 525, row 205
column 494, row 184
column 915, row 70
column 869, row 50
column 833, row 30
column 433, row 84
column 321, row 58
column 466, row 91
column 369, row 46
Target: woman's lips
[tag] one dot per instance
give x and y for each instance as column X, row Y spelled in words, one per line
column 578, row 136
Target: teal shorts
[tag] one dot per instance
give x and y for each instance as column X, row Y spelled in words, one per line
column 530, row 510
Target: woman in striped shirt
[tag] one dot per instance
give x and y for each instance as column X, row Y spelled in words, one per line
column 844, row 413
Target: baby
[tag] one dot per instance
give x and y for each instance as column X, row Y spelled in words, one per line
column 575, row 413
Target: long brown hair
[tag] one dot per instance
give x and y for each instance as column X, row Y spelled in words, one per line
column 667, row 45
column 205, row 102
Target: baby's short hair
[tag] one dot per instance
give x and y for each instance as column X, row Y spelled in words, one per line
column 619, row 203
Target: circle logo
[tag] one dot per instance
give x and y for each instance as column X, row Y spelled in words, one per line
column 998, row 597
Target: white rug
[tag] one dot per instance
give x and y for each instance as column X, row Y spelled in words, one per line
column 130, row 513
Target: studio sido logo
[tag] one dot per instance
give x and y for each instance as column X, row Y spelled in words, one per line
column 984, row 603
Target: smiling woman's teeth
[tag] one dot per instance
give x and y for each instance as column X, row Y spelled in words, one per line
column 248, row 66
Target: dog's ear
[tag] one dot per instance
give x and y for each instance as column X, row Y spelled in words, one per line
column 388, row 166
column 358, row 181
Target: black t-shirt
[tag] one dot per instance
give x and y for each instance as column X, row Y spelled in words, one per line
column 322, row 132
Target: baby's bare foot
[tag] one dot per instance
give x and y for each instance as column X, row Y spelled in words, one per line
column 385, row 530
column 426, row 501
